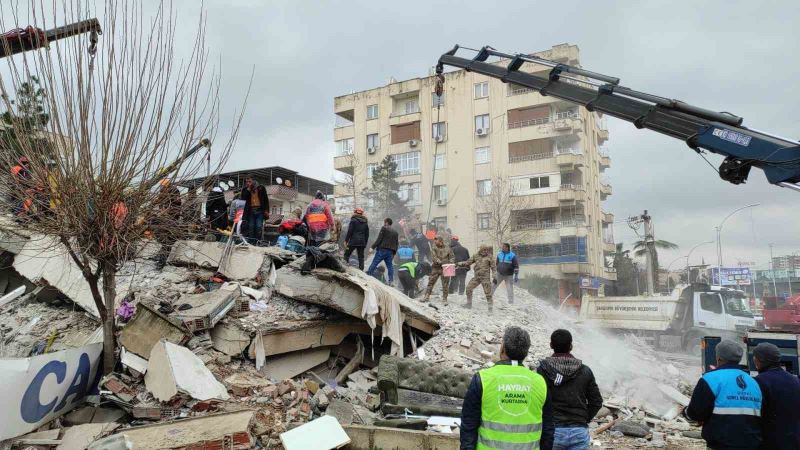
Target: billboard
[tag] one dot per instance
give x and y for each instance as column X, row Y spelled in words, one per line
column 731, row 276
column 39, row 388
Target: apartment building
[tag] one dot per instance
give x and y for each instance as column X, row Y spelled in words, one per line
column 547, row 153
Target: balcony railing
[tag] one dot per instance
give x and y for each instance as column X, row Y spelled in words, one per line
column 531, row 157
column 565, row 115
column 610, row 269
column 529, row 123
column 568, row 151
column 572, row 187
column 550, row 225
column 519, row 91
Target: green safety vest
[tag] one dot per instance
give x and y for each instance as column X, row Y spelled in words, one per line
column 511, row 408
column 412, row 268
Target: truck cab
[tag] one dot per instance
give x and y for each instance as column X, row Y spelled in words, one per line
column 720, row 312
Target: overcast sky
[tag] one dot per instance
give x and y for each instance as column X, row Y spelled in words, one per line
column 737, row 56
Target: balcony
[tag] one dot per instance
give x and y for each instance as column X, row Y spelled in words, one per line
column 609, row 246
column 607, row 217
column 343, row 163
column 605, row 190
column 531, row 157
column 576, row 268
column 572, row 157
column 610, row 273
column 551, row 225
column 347, row 132
column 602, row 136
column 401, row 117
column 605, row 160
column 545, row 127
column 571, row 193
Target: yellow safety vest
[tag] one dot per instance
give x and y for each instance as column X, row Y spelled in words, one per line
column 511, row 408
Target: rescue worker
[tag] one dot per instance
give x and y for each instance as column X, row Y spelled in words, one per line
column 507, row 271
column 336, row 229
column 727, row 401
column 319, row 220
column 386, row 246
column 780, row 390
column 256, row 209
column 217, row 211
column 507, row 406
column 357, row 236
column 441, row 255
column 423, row 245
column 459, row 282
column 409, row 274
column 22, row 193
column 484, row 268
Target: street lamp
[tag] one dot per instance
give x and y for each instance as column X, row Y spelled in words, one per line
column 719, row 231
column 688, row 276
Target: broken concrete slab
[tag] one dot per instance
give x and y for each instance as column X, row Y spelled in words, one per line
column 91, row 414
column 343, row 411
column 226, row 430
column 289, row 365
column 243, row 384
column 367, row 437
column 173, row 369
column 44, row 258
column 229, row 338
column 674, row 394
column 244, row 263
column 206, row 309
column 81, row 436
column 133, row 362
column 316, row 334
column 146, row 328
column 324, row 433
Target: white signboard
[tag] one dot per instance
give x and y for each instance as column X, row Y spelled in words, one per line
column 37, row 389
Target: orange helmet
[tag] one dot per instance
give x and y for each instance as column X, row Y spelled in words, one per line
column 23, row 160
column 454, row 238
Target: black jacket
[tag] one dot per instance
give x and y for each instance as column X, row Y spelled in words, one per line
column 461, row 253
column 722, row 431
column 262, row 197
column 357, row 231
column 780, row 409
column 422, row 244
column 471, row 416
column 387, row 238
column 576, row 397
column 217, row 210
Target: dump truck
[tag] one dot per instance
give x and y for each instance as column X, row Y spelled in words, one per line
column 676, row 321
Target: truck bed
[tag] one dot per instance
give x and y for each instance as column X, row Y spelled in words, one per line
column 655, row 313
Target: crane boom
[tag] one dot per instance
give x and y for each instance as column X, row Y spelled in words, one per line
column 30, row 38
column 700, row 128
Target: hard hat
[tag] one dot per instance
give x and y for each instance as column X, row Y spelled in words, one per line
column 164, row 182
column 454, row 238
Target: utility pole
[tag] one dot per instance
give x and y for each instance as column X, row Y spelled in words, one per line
column 772, row 269
column 649, row 244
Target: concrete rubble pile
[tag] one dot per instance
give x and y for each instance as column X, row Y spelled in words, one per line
column 239, row 348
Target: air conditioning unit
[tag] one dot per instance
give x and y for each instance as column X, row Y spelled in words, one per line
column 372, row 150
column 441, row 202
column 413, row 143
column 439, row 138
column 482, row 131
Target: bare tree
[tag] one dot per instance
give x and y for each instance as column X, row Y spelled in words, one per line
column 124, row 110
column 501, row 203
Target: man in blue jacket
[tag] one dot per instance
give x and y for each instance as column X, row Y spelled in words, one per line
column 780, row 410
column 727, row 402
column 507, row 271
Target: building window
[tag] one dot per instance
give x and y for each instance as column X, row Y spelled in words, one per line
column 539, row 182
column 407, row 163
column 411, row 106
column 484, row 221
column 439, row 161
column 440, row 193
column 373, row 142
column 344, row 204
column 482, row 123
column 482, row 155
column 372, row 112
column 438, row 100
column 344, row 147
column 371, row 169
column 439, row 130
column 484, row 187
column 410, row 193
column 482, row 89
column 440, row 223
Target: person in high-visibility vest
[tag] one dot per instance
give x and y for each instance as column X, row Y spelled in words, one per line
column 507, row 406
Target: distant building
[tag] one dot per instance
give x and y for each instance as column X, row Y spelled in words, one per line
column 450, row 149
column 287, row 189
column 786, row 262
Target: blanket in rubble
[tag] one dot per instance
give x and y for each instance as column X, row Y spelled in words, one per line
column 319, row 258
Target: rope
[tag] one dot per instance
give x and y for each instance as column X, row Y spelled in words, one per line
column 438, row 90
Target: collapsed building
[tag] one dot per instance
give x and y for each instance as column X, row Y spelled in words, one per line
column 241, row 347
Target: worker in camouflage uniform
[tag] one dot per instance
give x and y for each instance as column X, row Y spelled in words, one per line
column 484, row 269
column 441, row 254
